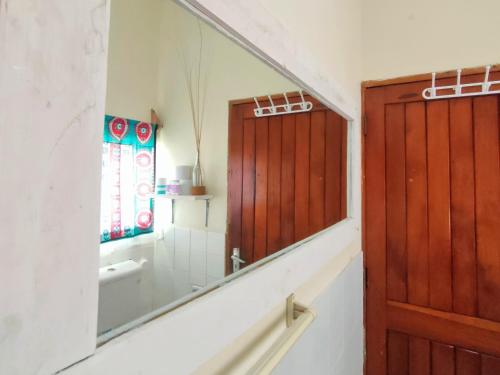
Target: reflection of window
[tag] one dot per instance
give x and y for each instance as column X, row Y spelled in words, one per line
column 127, row 184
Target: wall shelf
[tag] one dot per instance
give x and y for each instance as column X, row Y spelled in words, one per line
column 174, row 197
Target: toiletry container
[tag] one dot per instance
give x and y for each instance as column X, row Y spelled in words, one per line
column 184, row 173
column 161, row 186
column 174, row 187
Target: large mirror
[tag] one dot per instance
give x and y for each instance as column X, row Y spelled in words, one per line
column 212, row 161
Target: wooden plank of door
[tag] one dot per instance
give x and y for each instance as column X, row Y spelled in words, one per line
column 487, row 176
column 443, row 359
column 333, row 160
column 287, row 181
column 420, row 356
column 416, row 191
column 467, row 362
column 274, row 186
column 235, row 178
column 438, row 165
column 462, row 207
column 464, row 331
column 261, row 165
column 248, row 197
column 396, row 202
column 317, row 173
column 397, row 353
column 343, row 169
column 375, row 230
column 302, row 140
column 490, row 365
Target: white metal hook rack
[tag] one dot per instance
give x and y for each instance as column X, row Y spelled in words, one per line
column 483, row 88
column 282, row 109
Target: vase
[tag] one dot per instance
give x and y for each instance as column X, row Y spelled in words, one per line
column 197, row 174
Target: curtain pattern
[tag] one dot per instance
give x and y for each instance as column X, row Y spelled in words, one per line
column 127, row 184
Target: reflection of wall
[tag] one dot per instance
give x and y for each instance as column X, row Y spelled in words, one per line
column 133, row 58
column 232, row 73
column 184, row 259
column 146, row 70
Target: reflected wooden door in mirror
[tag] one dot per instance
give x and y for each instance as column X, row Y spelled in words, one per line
column 287, row 176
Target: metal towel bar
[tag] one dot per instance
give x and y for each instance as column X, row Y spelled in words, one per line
column 298, row 319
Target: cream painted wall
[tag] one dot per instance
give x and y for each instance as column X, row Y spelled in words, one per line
column 231, row 73
column 334, row 47
column 403, row 37
column 52, row 86
column 133, row 58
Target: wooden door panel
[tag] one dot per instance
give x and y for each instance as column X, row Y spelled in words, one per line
column 287, row 177
column 248, row 185
column 411, row 355
column 419, row 356
column 274, row 186
column 317, row 173
column 397, row 353
column 416, row 197
column 261, row 162
column 302, row 155
column 485, row 115
column 431, row 232
column 395, row 168
column 467, row 362
column 462, row 207
column 333, row 158
column 438, row 169
column 287, row 181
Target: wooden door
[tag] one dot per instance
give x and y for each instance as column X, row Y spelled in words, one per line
column 431, row 231
column 287, row 176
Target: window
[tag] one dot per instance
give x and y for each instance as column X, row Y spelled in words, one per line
column 128, row 174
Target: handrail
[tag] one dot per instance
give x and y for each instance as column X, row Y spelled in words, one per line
column 302, row 318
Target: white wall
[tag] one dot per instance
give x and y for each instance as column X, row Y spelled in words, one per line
column 333, row 344
column 403, row 37
column 186, row 258
column 52, row 78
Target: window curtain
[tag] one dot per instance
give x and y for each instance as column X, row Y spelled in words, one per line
column 128, row 175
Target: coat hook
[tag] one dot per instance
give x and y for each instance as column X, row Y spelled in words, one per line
column 258, row 110
column 287, row 107
column 486, row 84
column 433, row 89
column 273, row 107
column 458, row 87
column 303, row 104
